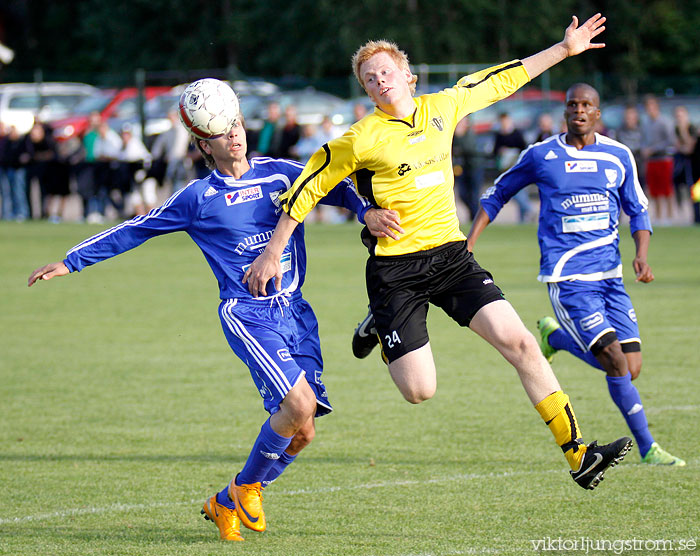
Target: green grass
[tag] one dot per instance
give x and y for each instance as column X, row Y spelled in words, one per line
column 123, row 409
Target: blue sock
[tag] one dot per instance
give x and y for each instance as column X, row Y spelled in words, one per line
column 626, row 397
column 277, row 468
column 561, row 339
column 267, row 449
column 223, row 499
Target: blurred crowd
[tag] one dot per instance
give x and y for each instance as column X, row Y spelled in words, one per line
column 115, row 175
column 667, row 155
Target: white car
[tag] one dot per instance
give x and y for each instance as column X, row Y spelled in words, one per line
column 21, row 103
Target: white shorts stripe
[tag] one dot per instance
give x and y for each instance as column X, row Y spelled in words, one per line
column 563, row 316
column 266, row 362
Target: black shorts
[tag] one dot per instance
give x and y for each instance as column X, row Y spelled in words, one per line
column 401, row 286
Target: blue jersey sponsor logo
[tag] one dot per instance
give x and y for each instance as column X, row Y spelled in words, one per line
column 585, row 222
column 580, row 166
column 243, row 195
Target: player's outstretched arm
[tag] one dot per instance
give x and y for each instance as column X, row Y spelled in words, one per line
column 47, row 272
column 577, row 39
column 383, row 223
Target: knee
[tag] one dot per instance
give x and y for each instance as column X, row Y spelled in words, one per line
column 300, row 405
column 635, row 369
column 526, row 346
column 613, row 360
column 418, row 395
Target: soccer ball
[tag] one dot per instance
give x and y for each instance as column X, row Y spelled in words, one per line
column 208, row 108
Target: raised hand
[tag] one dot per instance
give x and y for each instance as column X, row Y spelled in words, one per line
column 578, row 39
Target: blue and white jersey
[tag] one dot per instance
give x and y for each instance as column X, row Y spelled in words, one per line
column 581, row 195
column 231, row 220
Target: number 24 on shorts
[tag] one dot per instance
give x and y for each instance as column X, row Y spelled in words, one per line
column 392, row 339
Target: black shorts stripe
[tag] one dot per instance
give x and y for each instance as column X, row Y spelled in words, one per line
column 311, row 176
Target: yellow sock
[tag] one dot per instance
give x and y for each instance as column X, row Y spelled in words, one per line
column 557, row 413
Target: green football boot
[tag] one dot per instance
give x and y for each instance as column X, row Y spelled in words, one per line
column 658, row 456
column 547, row 325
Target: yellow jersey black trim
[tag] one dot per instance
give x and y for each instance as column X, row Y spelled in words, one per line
column 494, row 72
column 406, row 164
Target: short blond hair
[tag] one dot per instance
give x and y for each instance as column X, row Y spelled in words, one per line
column 370, row 48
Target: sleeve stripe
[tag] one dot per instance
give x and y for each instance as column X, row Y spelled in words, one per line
column 491, row 74
column 294, row 196
column 133, row 222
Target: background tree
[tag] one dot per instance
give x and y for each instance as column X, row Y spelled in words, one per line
column 651, row 43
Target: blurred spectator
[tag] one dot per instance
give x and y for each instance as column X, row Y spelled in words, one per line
column 509, row 143
column 14, row 193
column 199, row 165
column 138, row 195
column 657, row 150
column 309, row 143
column 271, row 132
column 359, row 111
column 685, row 134
column 59, row 179
column 108, row 146
column 40, row 157
column 695, row 189
column 313, row 138
column 602, row 129
column 5, row 192
column 86, row 175
column 630, row 135
column 291, row 132
column 169, row 152
column 328, row 131
column 545, row 127
column 468, row 166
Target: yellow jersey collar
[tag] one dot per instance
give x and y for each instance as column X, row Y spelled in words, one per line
column 409, row 120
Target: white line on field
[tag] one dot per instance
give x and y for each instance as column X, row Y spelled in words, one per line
column 672, row 408
column 116, row 508
column 110, row 508
column 455, row 552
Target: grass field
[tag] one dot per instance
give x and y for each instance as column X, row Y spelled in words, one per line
column 123, row 409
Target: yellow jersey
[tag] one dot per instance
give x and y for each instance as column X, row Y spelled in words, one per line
column 405, row 164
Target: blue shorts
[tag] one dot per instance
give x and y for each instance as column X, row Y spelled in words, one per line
column 588, row 310
column 279, row 344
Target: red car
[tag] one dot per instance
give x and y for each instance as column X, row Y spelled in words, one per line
column 110, row 103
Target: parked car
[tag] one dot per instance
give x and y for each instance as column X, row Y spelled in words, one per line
column 312, row 105
column 157, row 108
column 21, row 103
column 111, row 103
column 155, row 112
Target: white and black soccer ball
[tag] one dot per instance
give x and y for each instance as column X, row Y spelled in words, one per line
column 208, row 108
